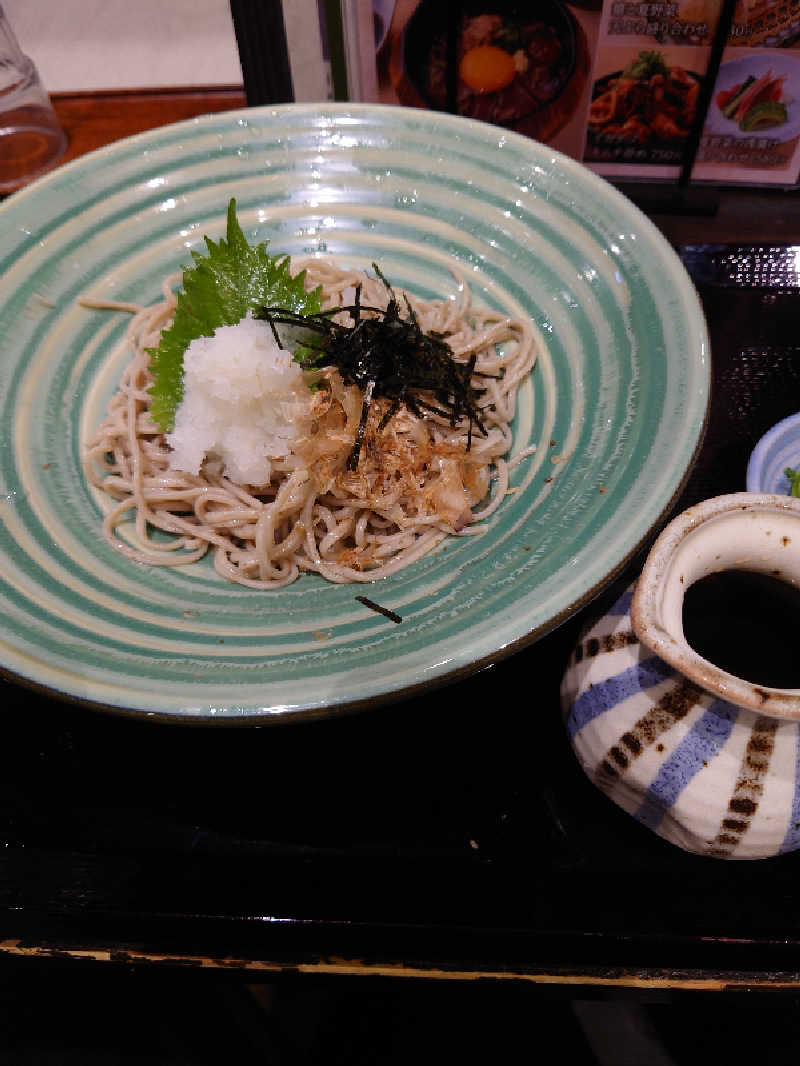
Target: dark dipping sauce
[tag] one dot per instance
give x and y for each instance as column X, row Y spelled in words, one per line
column 747, row 624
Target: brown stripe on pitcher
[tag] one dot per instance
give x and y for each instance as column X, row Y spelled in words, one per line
column 594, row 646
column 748, row 788
column 674, row 705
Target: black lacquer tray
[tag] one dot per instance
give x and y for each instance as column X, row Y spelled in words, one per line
column 452, row 836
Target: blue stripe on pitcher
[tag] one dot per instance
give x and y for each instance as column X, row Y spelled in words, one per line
column 604, row 695
column 623, row 604
column 703, row 741
column 792, row 839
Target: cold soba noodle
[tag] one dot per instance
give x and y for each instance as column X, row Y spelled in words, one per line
column 416, row 482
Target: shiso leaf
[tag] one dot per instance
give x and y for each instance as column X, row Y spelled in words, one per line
column 219, row 290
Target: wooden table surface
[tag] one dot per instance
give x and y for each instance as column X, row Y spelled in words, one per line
column 92, row 120
column 704, row 215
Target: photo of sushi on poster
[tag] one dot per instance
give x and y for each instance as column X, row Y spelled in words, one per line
column 752, row 126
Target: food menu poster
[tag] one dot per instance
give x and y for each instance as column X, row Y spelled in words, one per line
column 617, row 84
column 651, row 61
column 522, row 65
column 649, row 64
column 751, row 131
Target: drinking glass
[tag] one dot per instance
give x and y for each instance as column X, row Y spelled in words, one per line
column 31, row 137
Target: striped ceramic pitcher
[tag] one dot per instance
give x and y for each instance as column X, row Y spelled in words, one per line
column 706, row 759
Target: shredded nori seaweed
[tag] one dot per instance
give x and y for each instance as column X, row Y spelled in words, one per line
column 387, row 354
column 385, row 611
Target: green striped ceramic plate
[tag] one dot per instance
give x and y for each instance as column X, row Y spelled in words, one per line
column 615, row 407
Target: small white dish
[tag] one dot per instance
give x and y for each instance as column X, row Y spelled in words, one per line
column 778, row 449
